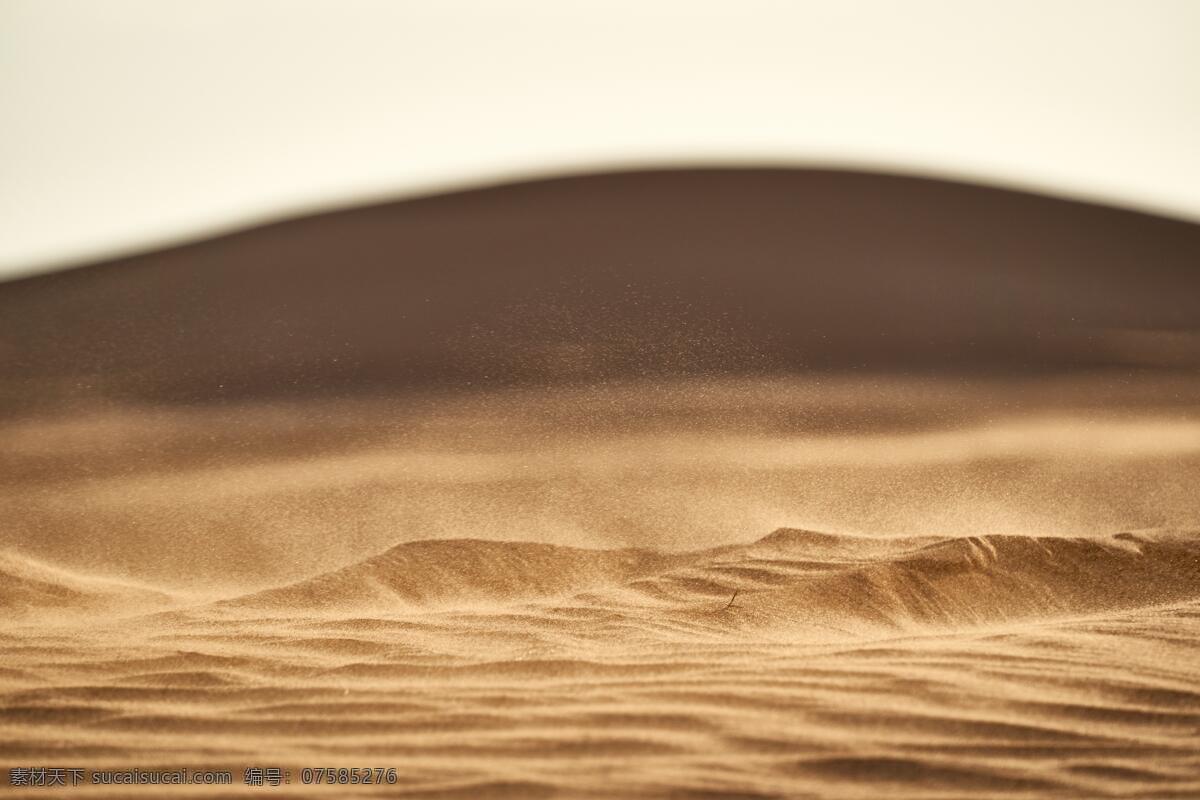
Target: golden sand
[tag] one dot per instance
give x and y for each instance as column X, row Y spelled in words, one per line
column 711, row 590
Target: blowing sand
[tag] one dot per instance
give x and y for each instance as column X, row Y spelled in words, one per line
column 731, row 589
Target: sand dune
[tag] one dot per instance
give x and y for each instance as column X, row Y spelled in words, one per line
column 956, row 583
column 847, row 665
column 31, row 587
column 429, row 574
column 881, row 585
column 603, row 277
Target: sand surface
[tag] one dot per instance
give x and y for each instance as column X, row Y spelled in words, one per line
column 856, row 588
column 845, row 666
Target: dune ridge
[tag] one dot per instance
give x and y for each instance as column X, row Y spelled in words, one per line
column 852, row 584
column 790, row 582
column 450, row 572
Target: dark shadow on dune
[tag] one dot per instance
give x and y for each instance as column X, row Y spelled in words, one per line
column 615, row 276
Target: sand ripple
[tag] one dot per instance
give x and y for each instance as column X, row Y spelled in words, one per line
column 846, row 666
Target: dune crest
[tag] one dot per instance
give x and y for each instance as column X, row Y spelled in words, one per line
column 790, row 580
column 461, row 572
column 983, row 580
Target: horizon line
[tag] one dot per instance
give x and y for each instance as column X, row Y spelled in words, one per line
column 233, row 223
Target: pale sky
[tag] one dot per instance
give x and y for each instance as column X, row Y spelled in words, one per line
column 128, row 124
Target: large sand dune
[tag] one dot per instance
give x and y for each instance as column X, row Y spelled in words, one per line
column 676, row 272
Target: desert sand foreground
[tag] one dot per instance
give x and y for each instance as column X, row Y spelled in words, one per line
column 615, row 591
column 845, row 666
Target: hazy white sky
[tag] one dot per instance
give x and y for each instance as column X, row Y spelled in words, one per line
column 131, row 123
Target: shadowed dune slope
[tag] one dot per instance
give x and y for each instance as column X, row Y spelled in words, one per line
column 615, row 275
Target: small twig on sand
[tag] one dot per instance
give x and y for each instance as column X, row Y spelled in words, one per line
column 729, row 605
